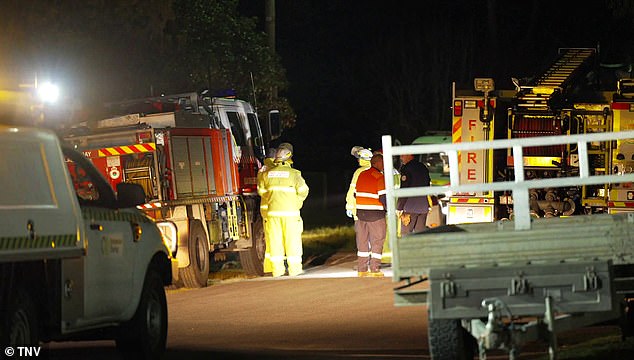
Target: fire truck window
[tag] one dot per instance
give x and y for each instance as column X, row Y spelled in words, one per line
column 236, row 128
column 256, row 132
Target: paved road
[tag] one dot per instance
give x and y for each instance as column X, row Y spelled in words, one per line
column 328, row 313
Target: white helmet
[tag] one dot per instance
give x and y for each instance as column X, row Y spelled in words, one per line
column 365, row 154
column 283, row 154
column 362, row 153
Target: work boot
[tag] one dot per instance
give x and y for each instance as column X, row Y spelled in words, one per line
column 363, row 273
column 295, row 269
column 377, row 273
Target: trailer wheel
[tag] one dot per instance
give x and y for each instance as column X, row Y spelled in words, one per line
column 20, row 327
column 145, row 335
column 252, row 259
column 448, row 340
column 195, row 275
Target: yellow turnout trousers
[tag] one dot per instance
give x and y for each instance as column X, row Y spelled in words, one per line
column 284, row 234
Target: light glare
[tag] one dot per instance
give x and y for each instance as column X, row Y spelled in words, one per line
column 48, row 92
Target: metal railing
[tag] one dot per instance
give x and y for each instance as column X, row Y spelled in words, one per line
column 520, row 187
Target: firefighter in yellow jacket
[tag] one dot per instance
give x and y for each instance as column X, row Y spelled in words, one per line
column 284, row 191
column 268, row 164
column 363, row 156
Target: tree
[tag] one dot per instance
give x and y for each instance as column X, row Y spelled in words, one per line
column 219, row 49
column 110, row 50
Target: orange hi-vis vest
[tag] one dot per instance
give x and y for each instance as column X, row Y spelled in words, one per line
column 370, row 186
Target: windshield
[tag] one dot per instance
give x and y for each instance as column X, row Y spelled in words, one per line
column 256, row 135
column 236, row 128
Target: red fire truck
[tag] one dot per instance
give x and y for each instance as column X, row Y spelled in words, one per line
column 197, row 159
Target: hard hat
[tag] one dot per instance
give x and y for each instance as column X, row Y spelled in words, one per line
column 283, row 154
column 360, row 152
column 365, row 154
column 355, row 151
column 287, row 146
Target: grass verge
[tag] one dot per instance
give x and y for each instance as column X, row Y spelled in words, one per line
column 322, row 242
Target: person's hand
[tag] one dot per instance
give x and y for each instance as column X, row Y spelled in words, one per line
column 349, row 213
column 399, row 213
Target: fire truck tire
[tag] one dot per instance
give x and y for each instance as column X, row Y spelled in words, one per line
column 19, row 326
column 448, row 340
column 145, row 335
column 252, row 259
column 196, row 274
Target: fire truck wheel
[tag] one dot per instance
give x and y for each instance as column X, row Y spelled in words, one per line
column 449, row 340
column 20, row 324
column 195, row 275
column 252, row 259
column 145, row 335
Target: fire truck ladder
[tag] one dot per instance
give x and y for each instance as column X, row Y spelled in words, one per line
column 561, row 74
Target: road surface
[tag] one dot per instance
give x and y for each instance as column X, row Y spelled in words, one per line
column 327, row 313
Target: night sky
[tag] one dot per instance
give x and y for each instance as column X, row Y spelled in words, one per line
column 340, row 55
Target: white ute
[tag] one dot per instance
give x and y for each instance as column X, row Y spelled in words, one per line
column 76, row 261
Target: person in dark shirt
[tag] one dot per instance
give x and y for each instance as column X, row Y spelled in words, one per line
column 413, row 210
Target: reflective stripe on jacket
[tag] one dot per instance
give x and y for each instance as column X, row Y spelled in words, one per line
column 370, row 187
column 284, row 190
column 351, row 203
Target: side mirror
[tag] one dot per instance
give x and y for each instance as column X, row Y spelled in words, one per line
column 130, row 195
column 275, row 124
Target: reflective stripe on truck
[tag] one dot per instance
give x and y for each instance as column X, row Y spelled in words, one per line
column 124, row 150
column 39, row 242
column 96, row 214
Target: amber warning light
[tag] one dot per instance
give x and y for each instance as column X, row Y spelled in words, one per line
column 457, row 108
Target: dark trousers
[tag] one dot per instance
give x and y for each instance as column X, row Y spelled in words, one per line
column 416, row 224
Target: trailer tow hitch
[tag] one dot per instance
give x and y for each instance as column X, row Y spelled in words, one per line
column 496, row 334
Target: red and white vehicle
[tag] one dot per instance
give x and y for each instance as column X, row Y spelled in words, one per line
column 197, row 160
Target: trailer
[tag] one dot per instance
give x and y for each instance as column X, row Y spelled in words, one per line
column 498, row 285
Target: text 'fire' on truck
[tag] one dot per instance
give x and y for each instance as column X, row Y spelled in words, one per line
column 197, row 159
column 559, row 102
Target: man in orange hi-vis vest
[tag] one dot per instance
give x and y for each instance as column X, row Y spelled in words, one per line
column 371, row 225
column 284, row 190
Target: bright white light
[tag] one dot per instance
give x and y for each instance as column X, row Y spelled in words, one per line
column 48, row 92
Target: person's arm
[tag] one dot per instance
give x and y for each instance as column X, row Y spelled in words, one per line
column 301, row 187
column 382, row 192
column 351, row 202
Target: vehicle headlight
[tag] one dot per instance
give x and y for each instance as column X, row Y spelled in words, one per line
column 170, row 235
